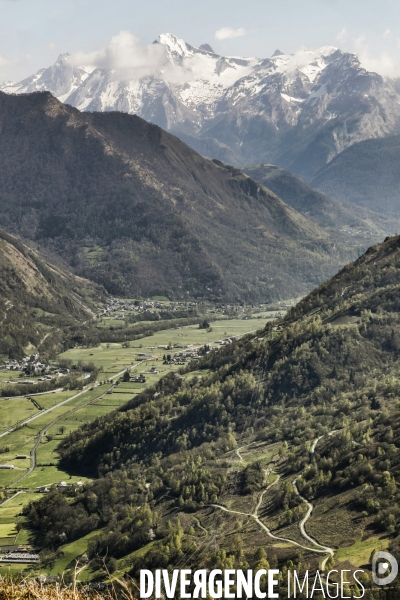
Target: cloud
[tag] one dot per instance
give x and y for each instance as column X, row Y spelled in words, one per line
column 125, row 55
column 385, row 63
column 383, row 58
column 226, row 33
column 128, row 60
column 3, row 62
column 342, row 36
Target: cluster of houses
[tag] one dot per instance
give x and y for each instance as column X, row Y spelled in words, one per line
column 180, row 358
column 32, row 365
column 117, row 307
column 140, row 306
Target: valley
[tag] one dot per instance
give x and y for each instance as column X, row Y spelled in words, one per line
column 34, row 435
column 199, row 314
column 252, row 455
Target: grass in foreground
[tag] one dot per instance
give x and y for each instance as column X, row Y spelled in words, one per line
column 19, row 589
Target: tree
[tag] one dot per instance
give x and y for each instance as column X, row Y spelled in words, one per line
column 111, row 565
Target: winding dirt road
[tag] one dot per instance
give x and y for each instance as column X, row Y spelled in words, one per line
column 329, row 551
column 324, row 549
column 317, row 547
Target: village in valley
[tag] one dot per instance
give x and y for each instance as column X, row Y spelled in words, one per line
column 35, row 366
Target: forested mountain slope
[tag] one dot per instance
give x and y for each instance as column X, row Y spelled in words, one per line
column 367, row 175
column 330, row 371
column 325, row 210
column 132, row 207
column 38, row 301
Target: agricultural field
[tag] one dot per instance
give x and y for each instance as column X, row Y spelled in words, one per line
column 65, row 411
column 149, row 351
column 7, row 377
column 15, row 410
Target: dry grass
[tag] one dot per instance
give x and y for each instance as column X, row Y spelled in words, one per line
column 14, row 589
column 31, row 590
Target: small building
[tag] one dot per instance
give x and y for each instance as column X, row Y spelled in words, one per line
column 20, row 557
column 7, row 467
column 62, row 484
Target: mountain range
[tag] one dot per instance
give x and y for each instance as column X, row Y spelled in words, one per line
column 298, row 111
column 130, row 206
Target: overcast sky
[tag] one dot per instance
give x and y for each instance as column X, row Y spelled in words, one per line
column 34, row 32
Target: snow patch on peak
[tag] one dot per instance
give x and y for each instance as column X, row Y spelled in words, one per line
column 327, row 50
column 174, row 44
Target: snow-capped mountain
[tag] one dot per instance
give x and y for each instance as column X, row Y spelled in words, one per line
column 295, row 110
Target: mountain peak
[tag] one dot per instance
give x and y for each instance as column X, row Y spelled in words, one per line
column 62, row 57
column 277, row 53
column 328, row 50
column 174, row 44
column 207, row 48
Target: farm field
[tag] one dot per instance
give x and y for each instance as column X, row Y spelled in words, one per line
column 6, row 376
column 101, row 398
column 114, row 358
column 23, row 439
column 15, row 410
column 70, row 552
column 10, row 516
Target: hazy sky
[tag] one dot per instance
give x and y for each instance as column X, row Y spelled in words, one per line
column 34, row 32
